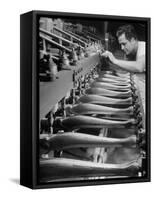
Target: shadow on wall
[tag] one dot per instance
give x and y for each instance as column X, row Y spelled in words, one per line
column 15, row 180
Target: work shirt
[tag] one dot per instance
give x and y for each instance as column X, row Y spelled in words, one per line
column 140, row 77
column 140, row 50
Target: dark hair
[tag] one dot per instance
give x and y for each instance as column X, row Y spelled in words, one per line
column 128, row 30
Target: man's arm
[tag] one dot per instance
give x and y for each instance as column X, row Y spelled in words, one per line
column 131, row 66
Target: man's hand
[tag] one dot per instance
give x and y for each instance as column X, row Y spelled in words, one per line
column 108, row 54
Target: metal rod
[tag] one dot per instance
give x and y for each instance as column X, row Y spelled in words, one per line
column 55, row 43
column 64, row 32
column 76, row 35
column 56, row 36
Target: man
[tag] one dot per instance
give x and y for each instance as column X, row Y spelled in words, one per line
column 134, row 50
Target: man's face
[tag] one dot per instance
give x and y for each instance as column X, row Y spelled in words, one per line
column 128, row 46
